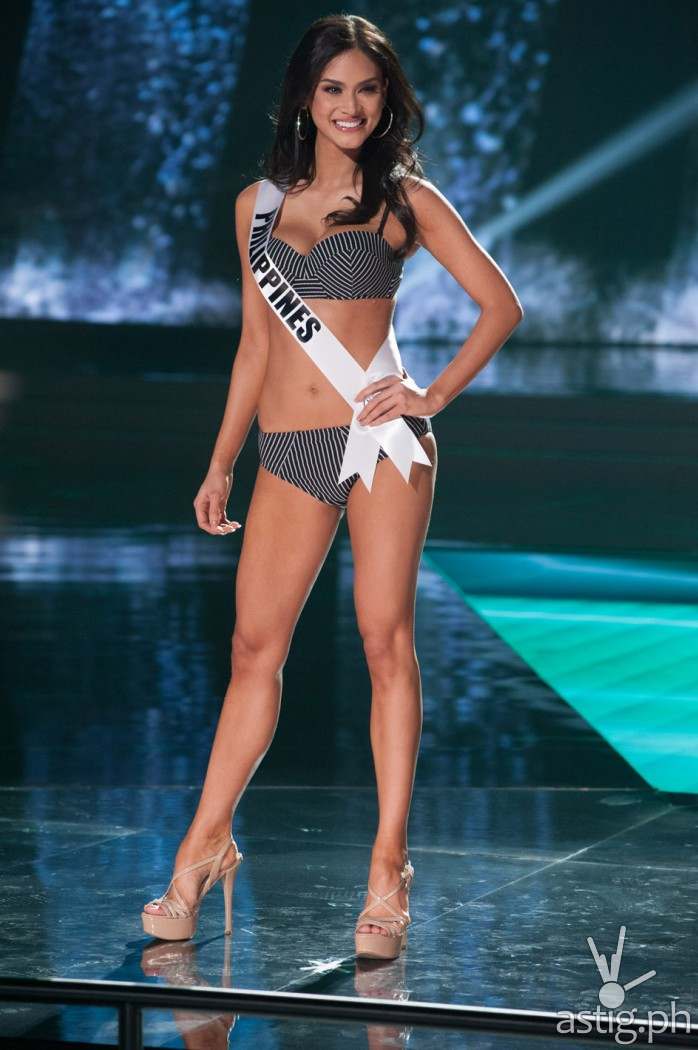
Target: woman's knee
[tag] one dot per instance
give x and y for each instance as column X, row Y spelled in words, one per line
column 388, row 649
column 258, row 650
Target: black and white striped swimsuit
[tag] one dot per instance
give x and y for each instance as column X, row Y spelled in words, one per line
column 312, row 459
column 349, row 264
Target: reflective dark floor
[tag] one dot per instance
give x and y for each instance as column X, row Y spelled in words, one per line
column 509, row 885
column 532, row 828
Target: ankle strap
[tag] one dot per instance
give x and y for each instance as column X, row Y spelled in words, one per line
column 406, row 876
column 217, row 859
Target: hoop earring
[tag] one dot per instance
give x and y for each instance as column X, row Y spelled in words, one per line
column 390, row 124
column 298, row 124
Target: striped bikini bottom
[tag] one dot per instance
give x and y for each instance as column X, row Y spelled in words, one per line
column 312, row 459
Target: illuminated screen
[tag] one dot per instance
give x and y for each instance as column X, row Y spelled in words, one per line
column 564, row 133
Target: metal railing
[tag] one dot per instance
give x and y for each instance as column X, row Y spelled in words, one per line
column 130, row 999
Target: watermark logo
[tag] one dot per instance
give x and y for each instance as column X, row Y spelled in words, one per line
column 625, row 1027
column 612, row 992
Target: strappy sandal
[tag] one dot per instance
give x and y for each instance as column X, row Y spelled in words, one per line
column 180, row 921
column 385, row 945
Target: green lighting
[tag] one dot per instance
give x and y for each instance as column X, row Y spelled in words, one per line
column 618, row 646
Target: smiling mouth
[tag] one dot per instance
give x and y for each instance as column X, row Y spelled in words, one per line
column 349, row 125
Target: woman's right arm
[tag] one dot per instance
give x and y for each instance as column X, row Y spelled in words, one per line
column 251, row 357
column 246, row 380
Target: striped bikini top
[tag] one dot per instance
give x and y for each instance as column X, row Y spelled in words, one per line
column 350, row 264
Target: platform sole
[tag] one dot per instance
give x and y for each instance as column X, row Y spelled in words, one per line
column 379, row 945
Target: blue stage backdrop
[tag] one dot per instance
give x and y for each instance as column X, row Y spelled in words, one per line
column 565, row 134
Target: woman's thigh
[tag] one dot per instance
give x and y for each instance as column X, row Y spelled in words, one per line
column 286, row 537
column 388, row 527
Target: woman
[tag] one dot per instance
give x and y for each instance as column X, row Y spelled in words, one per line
column 341, row 136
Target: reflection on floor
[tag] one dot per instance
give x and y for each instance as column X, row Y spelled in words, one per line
column 509, row 885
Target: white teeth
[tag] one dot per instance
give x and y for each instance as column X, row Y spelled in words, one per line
column 348, row 123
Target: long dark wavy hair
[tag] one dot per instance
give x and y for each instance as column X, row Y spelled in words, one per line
column 384, row 161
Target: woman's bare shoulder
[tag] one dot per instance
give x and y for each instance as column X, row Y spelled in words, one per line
column 412, row 184
column 425, row 199
column 246, row 197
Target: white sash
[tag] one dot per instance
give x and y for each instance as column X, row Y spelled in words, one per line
column 331, row 356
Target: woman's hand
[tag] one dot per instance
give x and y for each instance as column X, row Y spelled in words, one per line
column 210, row 504
column 393, row 396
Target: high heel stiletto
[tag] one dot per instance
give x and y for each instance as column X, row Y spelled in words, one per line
column 180, row 921
column 385, row 945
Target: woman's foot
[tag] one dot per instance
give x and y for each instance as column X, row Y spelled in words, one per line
column 384, row 876
column 192, row 849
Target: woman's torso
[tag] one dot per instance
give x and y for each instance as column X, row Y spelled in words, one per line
column 295, row 394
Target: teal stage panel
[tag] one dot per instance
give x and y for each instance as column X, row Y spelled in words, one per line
column 616, row 638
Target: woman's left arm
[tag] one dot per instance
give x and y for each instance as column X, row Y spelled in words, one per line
column 444, row 234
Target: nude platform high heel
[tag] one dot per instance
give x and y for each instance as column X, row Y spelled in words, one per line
column 180, row 921
column 385, row 945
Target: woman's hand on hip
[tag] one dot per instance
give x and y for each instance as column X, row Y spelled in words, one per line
column 390, row 397
column 210, row 504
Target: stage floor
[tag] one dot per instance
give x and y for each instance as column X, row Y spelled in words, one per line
column 532, row 827
column 509, row 884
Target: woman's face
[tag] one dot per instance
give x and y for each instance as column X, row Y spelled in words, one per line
column 349, row 99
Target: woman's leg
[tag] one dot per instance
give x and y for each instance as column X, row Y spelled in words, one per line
column 388, row 527
column 286, row 537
